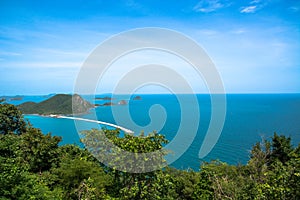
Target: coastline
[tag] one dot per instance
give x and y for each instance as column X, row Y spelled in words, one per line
column 126, row 130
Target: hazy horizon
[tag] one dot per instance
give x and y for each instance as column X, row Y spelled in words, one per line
column 135, row 94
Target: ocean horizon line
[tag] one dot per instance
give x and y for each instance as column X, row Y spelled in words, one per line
column 98, row 94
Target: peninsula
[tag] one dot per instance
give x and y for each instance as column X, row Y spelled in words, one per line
column 94, row 121
column 64, row 104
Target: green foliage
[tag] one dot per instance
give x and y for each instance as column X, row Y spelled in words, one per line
column 39, row 150
column 99, row 142
column 16, row 180
column 129, row 185
column 34, row 166
column 11, row 120
column 281, row 179
column 190, row 184
column 281, row 149
column 81, row 177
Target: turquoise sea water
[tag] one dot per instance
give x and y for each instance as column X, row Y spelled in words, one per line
column 249, row 117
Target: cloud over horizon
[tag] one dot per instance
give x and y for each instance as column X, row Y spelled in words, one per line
column 249, row 9
column 207, row 6
column 254, row 6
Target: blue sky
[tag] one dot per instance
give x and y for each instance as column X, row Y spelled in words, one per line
column 254, row 44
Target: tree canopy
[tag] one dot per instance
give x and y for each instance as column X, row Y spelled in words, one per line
column 34, row 166
column 11, row 119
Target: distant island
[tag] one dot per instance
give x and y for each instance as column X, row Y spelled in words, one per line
column 137, row 98
column 16, row 99
column 103, row 98
column 58, row 104
column 107, row 104
column 122, row 102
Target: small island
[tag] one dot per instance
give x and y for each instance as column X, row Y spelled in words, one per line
column 122, row 102
column 65, row 104
column 137, row 98
column 103, row 98
column 107, row 104
column 16, row 99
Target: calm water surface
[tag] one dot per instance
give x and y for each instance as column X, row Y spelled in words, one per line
column 249, row 118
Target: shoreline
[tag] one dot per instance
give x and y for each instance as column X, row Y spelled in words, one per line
column 87, row 120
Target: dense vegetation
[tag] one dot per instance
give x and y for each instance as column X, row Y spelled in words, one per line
column 34, row 166
column 58, row 104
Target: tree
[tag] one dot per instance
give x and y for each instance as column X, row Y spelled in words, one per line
column 189, row 184
column 80, row 178
column 39, row 150
column 259, row 160
column 281, row 148
column 11, row 119
column 16, row 181
column 274, row 168
column 129, row 185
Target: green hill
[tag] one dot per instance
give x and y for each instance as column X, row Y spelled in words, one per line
column 58, row 104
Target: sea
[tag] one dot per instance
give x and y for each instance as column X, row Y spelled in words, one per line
column 249, row 119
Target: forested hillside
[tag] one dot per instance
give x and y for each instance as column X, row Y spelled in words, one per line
column 58, row 104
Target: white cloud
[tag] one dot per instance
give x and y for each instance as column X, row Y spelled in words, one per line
column 254, row 6
column 208, row 6
column 294, row 9
column 249, row 9
column 6, row 53
column 255, row 2
column 45, row 64
column 208, row 32
column 238, row 31
column 60, row 52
